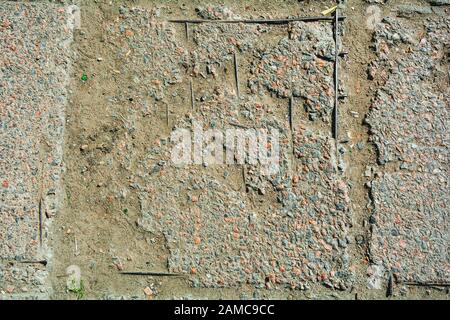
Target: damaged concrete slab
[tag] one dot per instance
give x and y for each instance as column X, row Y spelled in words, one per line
column 223, row 235
column 410, row 226
column 409, row 125
column 216, row 231
column 118, row 180
column 34, row 73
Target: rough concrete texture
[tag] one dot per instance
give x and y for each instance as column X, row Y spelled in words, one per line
column 222, row 238
column 409, row 117
column 155, row 62
column 224, row 38
column 409, row 125
column 300, row 65
column 34, row 41
column 214, row 232
column 87, row 181
column 410, row 226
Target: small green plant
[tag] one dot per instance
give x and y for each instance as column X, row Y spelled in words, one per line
column 84, row 77
column 78, row 291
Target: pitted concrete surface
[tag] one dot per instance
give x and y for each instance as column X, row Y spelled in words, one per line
column 35, row 43
column 90, row 93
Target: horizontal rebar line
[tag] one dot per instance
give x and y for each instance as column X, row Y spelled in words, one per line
column 260, row 21
column 43, row 262
column 150, row 273
column 426, row 284
column 10, row 261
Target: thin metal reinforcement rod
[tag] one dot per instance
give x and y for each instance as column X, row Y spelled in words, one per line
column 257, row 21
column 167, row 114
column 244, row 178
column 41, row 222
column 291, row 112
column 191, row 88
column 426, row 284
column 43, row 262
column 336, row 76
column 41, row 207
column 154, row 274
column 236, row 74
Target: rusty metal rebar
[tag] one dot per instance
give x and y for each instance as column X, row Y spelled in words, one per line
column 257, row 21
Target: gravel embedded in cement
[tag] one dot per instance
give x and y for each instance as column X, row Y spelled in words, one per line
column 215, row 230
column 409, row 117
column 34, row 41
column 300, row 65
column 409, row 126
column 410, row 226
column 218, row 234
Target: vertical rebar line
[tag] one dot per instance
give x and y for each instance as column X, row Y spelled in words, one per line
column 167, row 114
column 40, row 221
column 244, row 177
column 291, row 112
column 291, row 96
column 291, row 124
column 191, row 86
column 336, row 79
column 236, row 73
column 41, row 206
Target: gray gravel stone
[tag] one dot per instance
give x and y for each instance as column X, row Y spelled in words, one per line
column 408, row 10
column 439, row 2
